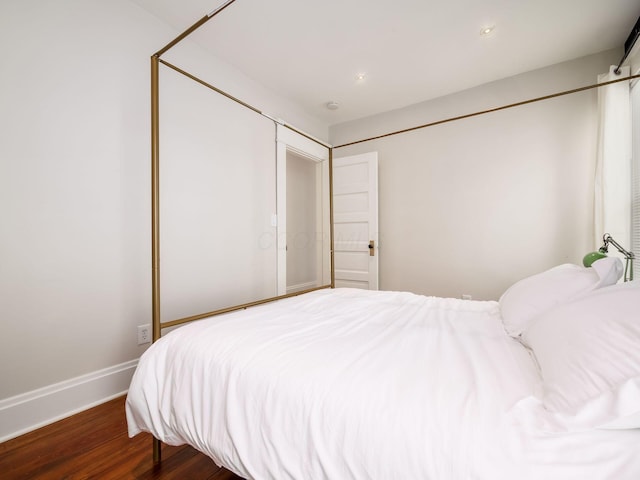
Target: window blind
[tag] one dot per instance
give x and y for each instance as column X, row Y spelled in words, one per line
column 635, row 175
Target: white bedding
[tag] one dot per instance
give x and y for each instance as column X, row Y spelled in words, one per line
column 352, row 384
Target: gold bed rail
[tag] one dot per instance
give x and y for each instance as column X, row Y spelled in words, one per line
column 489, row 110
column 200, row 316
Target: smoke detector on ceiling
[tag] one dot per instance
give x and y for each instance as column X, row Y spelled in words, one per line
column 487, row 30
column 332, row 105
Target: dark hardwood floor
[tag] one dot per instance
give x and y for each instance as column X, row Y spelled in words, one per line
column 94, row 444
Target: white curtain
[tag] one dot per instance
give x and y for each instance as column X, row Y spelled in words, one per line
column 613, row 166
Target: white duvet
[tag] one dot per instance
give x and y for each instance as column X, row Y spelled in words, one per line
column 352, row 384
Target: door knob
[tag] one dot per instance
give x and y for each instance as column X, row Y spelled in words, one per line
column 372, row 250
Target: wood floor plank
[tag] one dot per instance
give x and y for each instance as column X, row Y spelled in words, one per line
column 94, row 444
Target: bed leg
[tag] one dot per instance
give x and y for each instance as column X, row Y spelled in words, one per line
column 157, row 451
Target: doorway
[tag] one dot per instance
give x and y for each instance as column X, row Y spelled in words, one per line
column 303, row 216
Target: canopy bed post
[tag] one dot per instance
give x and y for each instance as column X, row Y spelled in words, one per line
column 333, row 275
column 155, row 219
column 155, row 187
column 155, row 198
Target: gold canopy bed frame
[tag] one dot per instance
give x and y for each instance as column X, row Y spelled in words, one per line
column 157, row 324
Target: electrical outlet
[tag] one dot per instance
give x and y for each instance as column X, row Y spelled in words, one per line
column 144, row 334
column 466, row 296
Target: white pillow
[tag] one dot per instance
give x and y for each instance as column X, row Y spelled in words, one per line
column 588, row 351
column 534, row 295
column 609, row 270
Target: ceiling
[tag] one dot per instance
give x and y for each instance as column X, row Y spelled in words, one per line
column 311, row 51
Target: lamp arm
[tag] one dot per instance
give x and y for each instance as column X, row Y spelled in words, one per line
column 608, row 239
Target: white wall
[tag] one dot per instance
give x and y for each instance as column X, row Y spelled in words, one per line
column 75, row 196
column 217, row 198
column 471, row 206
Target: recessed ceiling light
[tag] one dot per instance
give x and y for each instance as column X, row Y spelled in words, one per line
column 487, row 30
column 361, row 76
column 332, row 105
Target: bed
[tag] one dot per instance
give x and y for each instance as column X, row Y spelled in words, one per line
column 338, row 383
column 354, row 384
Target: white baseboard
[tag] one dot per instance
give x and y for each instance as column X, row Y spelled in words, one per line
column 29, row 411
column 301, row 286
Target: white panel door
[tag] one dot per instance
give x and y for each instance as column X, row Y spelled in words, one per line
column 355, row 219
